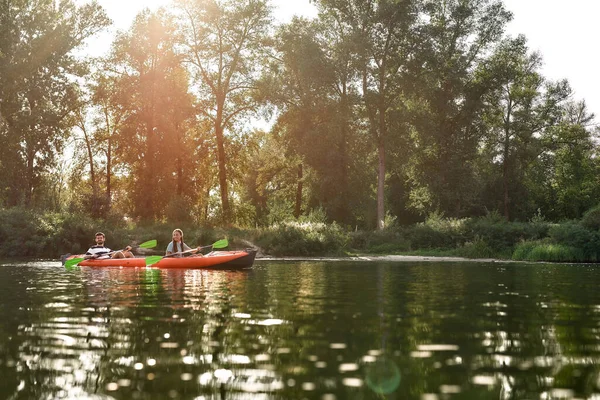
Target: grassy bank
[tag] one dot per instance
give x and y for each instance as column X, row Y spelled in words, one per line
column 24, row 233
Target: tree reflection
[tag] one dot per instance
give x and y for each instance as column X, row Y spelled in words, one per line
column 302, row 330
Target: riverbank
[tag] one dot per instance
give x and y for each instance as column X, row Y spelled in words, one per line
column 387, row 258
column 27, row 234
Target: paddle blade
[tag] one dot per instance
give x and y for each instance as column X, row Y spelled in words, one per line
column 148, row 245
column 153, row 259
column 220, row 244
column 72, row 262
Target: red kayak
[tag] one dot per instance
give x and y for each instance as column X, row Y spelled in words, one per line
column 238, row 259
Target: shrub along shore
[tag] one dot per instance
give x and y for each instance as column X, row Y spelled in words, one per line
column 27, row 234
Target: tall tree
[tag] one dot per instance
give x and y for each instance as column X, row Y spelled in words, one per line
column 522, row 109
column 567, row 171
column 225, row 43
column 37, row 89
column 383, row 32
column 110, row 116
column 153, row 88
column 313, row 84
column 447, row 97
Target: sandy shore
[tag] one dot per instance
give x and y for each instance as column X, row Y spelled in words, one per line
column 393, row 258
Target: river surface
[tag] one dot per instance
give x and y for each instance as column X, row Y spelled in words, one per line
column 301, row 330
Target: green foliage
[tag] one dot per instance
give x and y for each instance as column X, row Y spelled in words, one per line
column 556, row 253
column 179, row 210
column 577, row 236
column 505, row 235
column 591, row 219
column 525, row 247
column 72, row 233
column 543, row 250
column 315, row 216
column 147, row 88
column 467, row 123
column 20, row 233
column 478, row 248
column 227, row 93
column 490, row 236
column 279, row 212
column 386, row 241
column 27, row 234
column 38, row 67
column 566, row 242
column 301, row 239
column 425, row 237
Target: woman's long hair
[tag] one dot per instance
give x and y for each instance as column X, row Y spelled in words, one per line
column 175, row 250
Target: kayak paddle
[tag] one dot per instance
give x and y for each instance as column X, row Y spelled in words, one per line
column 219, row 244
column 146, row 245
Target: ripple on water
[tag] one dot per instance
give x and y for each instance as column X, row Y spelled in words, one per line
column 317, row 331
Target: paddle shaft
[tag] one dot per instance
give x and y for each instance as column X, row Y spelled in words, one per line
column 219, row 244
column 189, row 251
column 146, row 245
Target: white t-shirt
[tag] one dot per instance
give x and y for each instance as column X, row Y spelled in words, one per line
column 100, row 251
column 178, row 248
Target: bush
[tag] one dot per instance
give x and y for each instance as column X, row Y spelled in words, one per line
column 478, row 248
column 556, row 253
column 574, row 235
column 179, row 210
column 544, row 250
column 591, row 219
column 523, row 249
column 422, row 236
column 69, row 233
column 386, row 241
column 22, row 233
column 301, row 239
column 502, row 235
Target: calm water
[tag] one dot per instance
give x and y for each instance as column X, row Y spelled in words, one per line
column 336, row 330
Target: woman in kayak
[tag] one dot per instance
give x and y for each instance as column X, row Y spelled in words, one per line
column 177, row 246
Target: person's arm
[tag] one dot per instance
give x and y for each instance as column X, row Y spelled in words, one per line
column 89, row 254
column 194, row 251
column 169, row 249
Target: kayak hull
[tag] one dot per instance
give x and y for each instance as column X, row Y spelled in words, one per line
column 227, row 260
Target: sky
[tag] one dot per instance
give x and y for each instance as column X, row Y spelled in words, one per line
column 122, row 13
column 564, row 32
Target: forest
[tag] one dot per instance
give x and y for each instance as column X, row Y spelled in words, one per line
column 376, row 116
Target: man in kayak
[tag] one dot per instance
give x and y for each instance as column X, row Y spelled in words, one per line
column 177, row 246
column 101, row 252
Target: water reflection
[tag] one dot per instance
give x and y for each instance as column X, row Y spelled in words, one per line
column 304, row 330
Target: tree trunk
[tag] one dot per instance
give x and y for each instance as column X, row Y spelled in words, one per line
column 343, row 212
column 108, row 172
column 88, row 146
column 505, row 161
column 377, row 130
column 222, row 162
column 29, row 175
column 298, row 205
column 505, row 182
column 179, row 166
column 147, row 187
column 381, row 154
column 381, row 186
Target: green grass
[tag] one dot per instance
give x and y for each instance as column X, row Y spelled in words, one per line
column 546, row 251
